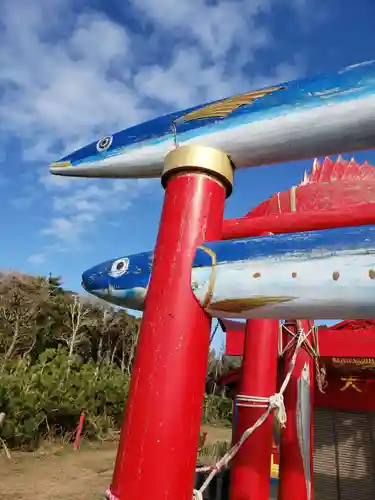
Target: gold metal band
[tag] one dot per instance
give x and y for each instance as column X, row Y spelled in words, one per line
column 195, row 158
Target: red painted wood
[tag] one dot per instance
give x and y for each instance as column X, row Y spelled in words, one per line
column 160, row 434
column 346, row 343
column 292, row 482
column 349, row 399
column 232, row 324
column 233, row 377
column 79, row 431
column 330, row 185
column 355, row 324
column 333, row 195
column 295, row 222
column 230, row 378
column 234, row 336
column 346, row 339
column 250, row 472
column 234, row 343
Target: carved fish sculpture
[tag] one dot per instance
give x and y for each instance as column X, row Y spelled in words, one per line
column 327, row 274
column 309, row 117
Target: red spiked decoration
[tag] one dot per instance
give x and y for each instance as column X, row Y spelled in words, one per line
column 330, row 185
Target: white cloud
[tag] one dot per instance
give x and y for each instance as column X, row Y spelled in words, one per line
column 215, row 27
column 69, row 229
column 70, row 74
column 58, row 88
column 36, row 259
column 81, row 208
column 77, row 76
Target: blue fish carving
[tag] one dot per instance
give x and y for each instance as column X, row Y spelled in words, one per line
column 327, row 274
column 294, row 120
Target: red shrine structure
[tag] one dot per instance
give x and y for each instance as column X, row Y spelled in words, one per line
column 343, row 415
column 331, row 456
column 340, row 360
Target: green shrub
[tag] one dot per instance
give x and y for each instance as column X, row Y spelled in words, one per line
column 217, row 409
column 42, row 401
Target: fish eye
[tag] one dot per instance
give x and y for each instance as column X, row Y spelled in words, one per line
column 104, row 143
column 119, row 267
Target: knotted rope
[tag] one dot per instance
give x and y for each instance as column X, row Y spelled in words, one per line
column 274, row 403
column 311, row 347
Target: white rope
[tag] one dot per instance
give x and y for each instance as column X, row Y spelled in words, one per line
column 110, row 495
column 311, row 348
column 273, row 403
column 276, row 402
column 252, row 401
column 204, row 469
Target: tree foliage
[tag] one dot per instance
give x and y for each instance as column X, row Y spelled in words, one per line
column 62, row 354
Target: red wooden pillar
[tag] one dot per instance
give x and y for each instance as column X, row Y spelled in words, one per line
column 293, row 482
column 250, row 472
column 160, row 434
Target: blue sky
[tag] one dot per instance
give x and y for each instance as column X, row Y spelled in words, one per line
column 72, row 71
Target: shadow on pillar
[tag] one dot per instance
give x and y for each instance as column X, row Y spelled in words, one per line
column 219, row 487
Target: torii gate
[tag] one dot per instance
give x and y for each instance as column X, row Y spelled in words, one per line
column 331, row 185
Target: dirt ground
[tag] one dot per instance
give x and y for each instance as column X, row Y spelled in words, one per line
column 57, row 473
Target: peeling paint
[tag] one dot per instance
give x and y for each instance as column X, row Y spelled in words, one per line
column 241, row 305
column 327, row 274
column 317, row 274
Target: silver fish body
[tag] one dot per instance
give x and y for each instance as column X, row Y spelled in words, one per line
column 294, row 120
column 320, row 274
